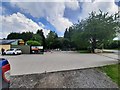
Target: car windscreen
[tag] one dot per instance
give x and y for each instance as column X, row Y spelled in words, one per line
column 10, row 49
column 18, row 49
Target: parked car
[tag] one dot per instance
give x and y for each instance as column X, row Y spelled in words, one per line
column 4, row 73
column 14, row 51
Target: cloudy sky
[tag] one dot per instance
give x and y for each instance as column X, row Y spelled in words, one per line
column 57, row 15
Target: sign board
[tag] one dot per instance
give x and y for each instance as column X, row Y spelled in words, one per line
column 37, row 49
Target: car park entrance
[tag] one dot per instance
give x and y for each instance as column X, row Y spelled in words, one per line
column 55, row 61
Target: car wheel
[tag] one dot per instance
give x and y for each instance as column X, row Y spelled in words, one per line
column 13, row 53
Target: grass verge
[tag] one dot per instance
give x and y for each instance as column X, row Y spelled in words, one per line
column 84, row 51
column 113, row 71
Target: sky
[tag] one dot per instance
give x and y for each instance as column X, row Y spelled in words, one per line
column 54, row 15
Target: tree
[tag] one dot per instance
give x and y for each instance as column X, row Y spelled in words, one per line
column 51, row 40
column 24, row 35
column 66, row 34
column 69, row 44
column 95, row 31
column 14, row 35
column 37, row 37
column 77, row 38
column 33, row 43
column 41, row 34
column 79, row 41
column 100, row 28
column 66, row 44
column 112, row 44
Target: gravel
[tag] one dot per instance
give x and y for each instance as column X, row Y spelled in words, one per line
column 85, row 78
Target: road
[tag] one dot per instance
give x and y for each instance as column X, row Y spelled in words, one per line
column 55, row 61
column 111, row 51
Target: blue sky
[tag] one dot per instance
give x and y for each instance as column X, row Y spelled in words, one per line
column 55, row 16
column 9, row 10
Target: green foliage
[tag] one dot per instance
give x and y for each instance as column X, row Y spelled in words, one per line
column 51, row 40
column 37, row 37
column 84, row 51
column 33, row 43
column 99, row 28
column 80, row 42
column 66, row 34
column 41, row 34
column 24, row 35
column 94, row 31
column 14, row 36
column 112, row 45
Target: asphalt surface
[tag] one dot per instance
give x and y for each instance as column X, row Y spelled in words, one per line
column 55, row 61
column 85, row 78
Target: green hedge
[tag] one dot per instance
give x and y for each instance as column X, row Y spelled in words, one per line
column 113, row 45
column 33, row 43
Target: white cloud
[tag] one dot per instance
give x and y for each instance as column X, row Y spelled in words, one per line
column 73, row 4
column 18, row 23
column 60, row 24
column 42, row 25
column 57, row 0
column 46, row 0
column 52, row 11
column 96, row 5
column 0, row 10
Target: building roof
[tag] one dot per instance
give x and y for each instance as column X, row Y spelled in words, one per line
column 4, row 42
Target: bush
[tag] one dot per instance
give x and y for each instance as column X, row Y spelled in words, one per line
column 33, row 43
column 113, row 45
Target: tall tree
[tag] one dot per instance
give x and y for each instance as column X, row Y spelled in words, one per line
column 51, row 39
column 41, row 34
column 100, row 28
column 37, row 37
column 14, row 36
column 94, row 31
column 66, row 34
column 24, row 35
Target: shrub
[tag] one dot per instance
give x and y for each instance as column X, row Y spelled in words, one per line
column 33, row 43
column 113, row 45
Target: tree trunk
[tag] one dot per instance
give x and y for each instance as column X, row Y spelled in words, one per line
column 93, row 45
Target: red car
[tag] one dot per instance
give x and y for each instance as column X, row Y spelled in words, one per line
column 4, row 73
